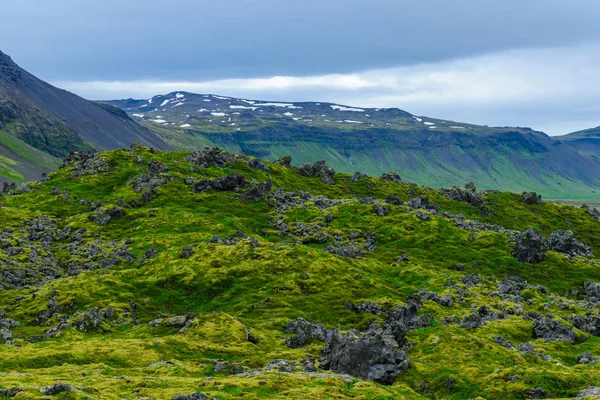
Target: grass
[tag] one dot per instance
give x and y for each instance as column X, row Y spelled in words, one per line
column 238, row 288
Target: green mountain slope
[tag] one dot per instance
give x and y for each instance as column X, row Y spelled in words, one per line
column 429, row 151
column 55, row 122
column 147, row 274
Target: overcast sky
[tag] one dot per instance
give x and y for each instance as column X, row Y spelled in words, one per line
column 513, row 62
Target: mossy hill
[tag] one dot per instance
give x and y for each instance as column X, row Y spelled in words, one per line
column 139, row 273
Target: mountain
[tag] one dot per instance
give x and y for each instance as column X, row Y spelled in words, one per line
column 429, row 151
column 40, row 123
column 138, row 273
column 586, row 142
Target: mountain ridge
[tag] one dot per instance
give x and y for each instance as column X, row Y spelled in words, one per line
column 430, row 151
column 35, row 114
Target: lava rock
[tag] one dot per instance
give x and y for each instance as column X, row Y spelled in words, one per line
column 318, row 169
column 566, row 243
column 532, row 198
column 304, row 332
column 372, row 355
column 549, row 329
column 530, row 247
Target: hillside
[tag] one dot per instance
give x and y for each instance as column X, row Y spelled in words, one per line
column 39, row 122
column 586, row 142
column 146, row 274
column 429, row 151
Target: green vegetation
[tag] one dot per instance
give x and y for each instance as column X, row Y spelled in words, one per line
column 240, row 290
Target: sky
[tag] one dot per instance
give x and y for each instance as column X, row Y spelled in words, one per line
column 527, row 63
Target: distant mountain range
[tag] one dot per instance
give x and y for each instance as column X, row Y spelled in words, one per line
column 429, row 151
column 40, row 123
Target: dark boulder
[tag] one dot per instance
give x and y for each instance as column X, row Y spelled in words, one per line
column 193, row 396
column 304, row 332
column 57, row 388
column 566, row 243
column 549, row 329
column 537, row 393
column 530, row 247
column 259, row 191
column 468, row 195
column 532, row 198
column 286, row 161
column 373, row 355
column 318, row 169
column 380, row 210
column 232, row 182
column 391, row 176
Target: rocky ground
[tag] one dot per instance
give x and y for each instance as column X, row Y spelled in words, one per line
column 145, row 274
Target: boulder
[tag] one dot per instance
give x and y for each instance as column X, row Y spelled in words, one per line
column 57, row 388
column 193, row 396
column 232, row 182
column 532, row 198
column 318, row 169
column 549, row 329
column 391, row 176
column 468, row 195
column 380, row 210
column 530, row 247
column 259, row 191
column 590, row 392
column 373, row 355
column 304, row 332
column 566, row 243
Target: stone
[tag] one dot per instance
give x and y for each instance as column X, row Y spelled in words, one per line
column 304, row 332
column 232, row 182
column 530, row 247
column 537, row 393
column 566, row 243
column 193, row 396
column 394, row 199
column 503, row 342
column 259, row 191
column 549, row 329
column 286, row 161
column 187, row 252
column 57, row 388
column 391, row 176
column 12, row 392
column 590, row 392
column 318, row 169
column 372, row 355
column 380, row 210
column 467, row 195
column 532, row 198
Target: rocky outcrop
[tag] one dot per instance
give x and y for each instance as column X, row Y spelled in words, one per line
column 550, row 329
column 230, row 183
column 211, row 157
column 304, row 332
column 259, row 191
column 468, row 194
column 566, row 243
column 479, row 318
column 532, row 198
column 392, row 177
column 57, row 388
column 318, row 169
column 193, row 396
column 530, row 247
column 590, row 392
column 372, row 355
column 85, row 163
